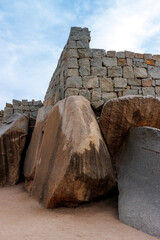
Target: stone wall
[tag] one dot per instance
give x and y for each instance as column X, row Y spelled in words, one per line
column 30, row 108
column 99, row 75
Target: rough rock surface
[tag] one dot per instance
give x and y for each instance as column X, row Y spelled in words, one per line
column 72, row 161
column 118, row 115
column 138, row 168
column 12, row 142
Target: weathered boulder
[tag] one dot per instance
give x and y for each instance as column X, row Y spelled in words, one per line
column 138, row 169
column 70, row 161
column 118, row 115
column 13, row 135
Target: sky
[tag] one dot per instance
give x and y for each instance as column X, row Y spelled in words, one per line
column 34, row 32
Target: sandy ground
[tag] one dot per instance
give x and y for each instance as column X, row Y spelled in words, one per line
column 21, row 217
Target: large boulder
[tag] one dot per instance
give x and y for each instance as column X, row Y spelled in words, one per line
column 138, row 169
column 13, row 135
column 119, row 115
column 69, row 163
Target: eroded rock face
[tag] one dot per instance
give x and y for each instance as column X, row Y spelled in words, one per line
column 138, row 169
column 12, row 142
column 72, row 161
column 119, row 115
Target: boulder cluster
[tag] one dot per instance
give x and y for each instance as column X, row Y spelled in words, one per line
column 71, row 158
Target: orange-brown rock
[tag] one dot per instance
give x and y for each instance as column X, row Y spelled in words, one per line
column 13, row 135
column 71, row 161
column 150, row 62
column 119, row 115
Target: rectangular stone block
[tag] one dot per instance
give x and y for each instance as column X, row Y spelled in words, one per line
column 84, row 64
column 158, row 82
column 108, row 96
column 70, row 72
column 120, row 82
column 25, row 108
column 130, row 92
column 106, row 84
column 147, row 56
column 90, row 82
column 98, row 71
column 85, row 93
column 121, row 61
column 141, row 64
column 150, row 62
column 120, row 54
column 128, row 72
column 154, row 72
column 72, row 53
column 96, row 62
column 17, row 107
column 129, row 54
column 138, row 55
column 8, row 111
column 111, row 53
column 37, row 103
column 157, row 90
column 114, row 72
column 84, row 43
column 134, row 82
column 84, row 53
column 72, row 44
column 129, row 61
column 148, row 91
column 110, row 62
column 25, row 102
column 16, row 102
column 156, row 57
column 72, row 63
column 71, row 92
column 9, row 105
column 18, row 111
column 96, row 94
column 73, row 82
column 98, row 53
column 147, row 82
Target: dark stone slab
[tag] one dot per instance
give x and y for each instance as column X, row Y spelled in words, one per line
column 138, row 168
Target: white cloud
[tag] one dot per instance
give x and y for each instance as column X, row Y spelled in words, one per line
column 127, row 25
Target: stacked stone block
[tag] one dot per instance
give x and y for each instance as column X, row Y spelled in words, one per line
column 99, row 75
column 30, row 108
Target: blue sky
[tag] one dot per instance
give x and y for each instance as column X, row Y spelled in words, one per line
column 34, row 32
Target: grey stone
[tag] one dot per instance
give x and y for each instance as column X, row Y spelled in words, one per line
column 71, row 92
column 98, row 71
column 110, row 62
column 129, row 61
column 130, row 92
column 96, row 94
column 154, row 83
column 147, row 56
column 83, row 43
column 17, row 107
column 25, row 108
column 9, row 105
column 72, row 44
column 134, row 82
column 70, row 72
column 114, row 72
column 84, row 53
column 154, row 72
column 98, row 53
column 141, row 60
column 72, row 53
column 72, row 82
column 30, row 103
column 85, row 93
column 37, row 103
column 128, row 72
column 140, row 72
column 108, row 96
column 148, row 91
column 84, row 67
column 16, row 102
column 141, row 64
column 33, row 108
column 18, row 111
column 157, row 64
column 8, row 111
column 111, row 53
column 25, row 102
column 120, row 82
column 120, row 54
column 158, row 82
column 106, row 84
column 96, row 62
column 138, row 169
column 97, row 105
column 72, row 63
column 90, row 82
column 157, row 90
column 129, row 54
column 136, row 88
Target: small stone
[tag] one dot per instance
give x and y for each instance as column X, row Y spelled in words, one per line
column 108, row 96
column 37, row 103
column 72, row 53
column 114, row 71
column 25, row 102
column 148, row 91
column 147, row 82
column 98, row 71
column 109, row 62
column 72, row 44
column 158, row 82
column 84, row 67
column 157, row 90
column 129, row 62
column 156, row 57
column 140, row 72
column 128, row 72
column 83, row 43
column 106, row 84
column 97, row 53
column 147, row 56
column 16, row 102
column 72, row 72
column 97, row 105
column 154, row 72
column 72, row 82
column 85, row 93
column 130, row 92
column 120, row 82
column 9, row 105
column 25, row 108
column 72, row 63
column 138, row 55
column 96, row 62
column 120, row 54
column 90, row 82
